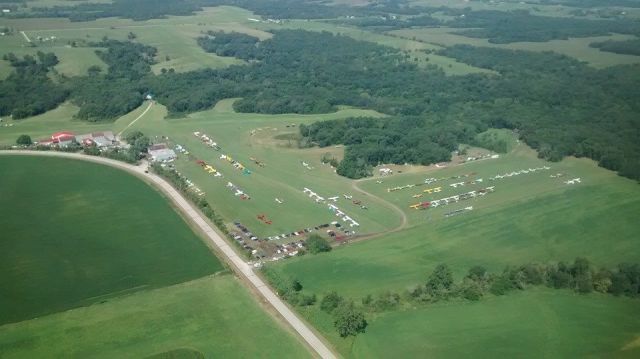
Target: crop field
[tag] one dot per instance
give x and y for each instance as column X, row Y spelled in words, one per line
column 76, row 233
column 576, row 47
column 214, row 317
column 95, row 263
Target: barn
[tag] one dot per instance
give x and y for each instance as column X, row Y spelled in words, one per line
column 62, row 136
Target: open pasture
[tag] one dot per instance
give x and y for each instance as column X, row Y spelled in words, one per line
column 76, row 233
column 534, row 324
column 174, row 37
column 212, row 317
column 284, row 176
column 530, row 217
column 575, row 47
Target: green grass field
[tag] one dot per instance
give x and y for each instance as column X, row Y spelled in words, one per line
column 528, row 218
column 77, row 233
column 283, row 176
column 174, row 37
column 213, row 316
column 540, row 323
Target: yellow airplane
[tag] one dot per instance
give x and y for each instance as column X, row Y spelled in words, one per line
column 415, row 206
column 417, row 195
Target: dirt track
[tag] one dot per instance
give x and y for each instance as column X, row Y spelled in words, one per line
column 241, row 268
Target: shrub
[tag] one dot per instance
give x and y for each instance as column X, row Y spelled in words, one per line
column 24, row 140
column 330, row 302
column 316, row 244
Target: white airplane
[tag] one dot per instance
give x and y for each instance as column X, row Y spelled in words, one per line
column 335, row 199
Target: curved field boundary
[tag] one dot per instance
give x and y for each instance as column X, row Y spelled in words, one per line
column 242, row 268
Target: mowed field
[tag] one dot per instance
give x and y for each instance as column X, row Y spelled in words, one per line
column 76, row 233
column 529, row 218
column 539, row 323
column 174, row 37
column 243, row 136
column 213, row 316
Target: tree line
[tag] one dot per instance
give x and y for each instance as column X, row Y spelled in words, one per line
column 29, row 90
column 505, row 27
column 349, row 316
column 626, row 47
column 374, row 141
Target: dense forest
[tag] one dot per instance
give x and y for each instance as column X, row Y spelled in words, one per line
column 559, row 105
column 230, row 44
column 121, row 89
column 371, row 141
column 628, row 47
column 505, row 27
column 29, row 90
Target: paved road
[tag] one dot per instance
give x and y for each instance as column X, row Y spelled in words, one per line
column 242, row 268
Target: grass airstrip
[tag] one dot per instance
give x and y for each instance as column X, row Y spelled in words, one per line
column 95, row 262
column 532, row 216
column 529, row 217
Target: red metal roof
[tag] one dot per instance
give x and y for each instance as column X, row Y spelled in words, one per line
column 62, row 134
